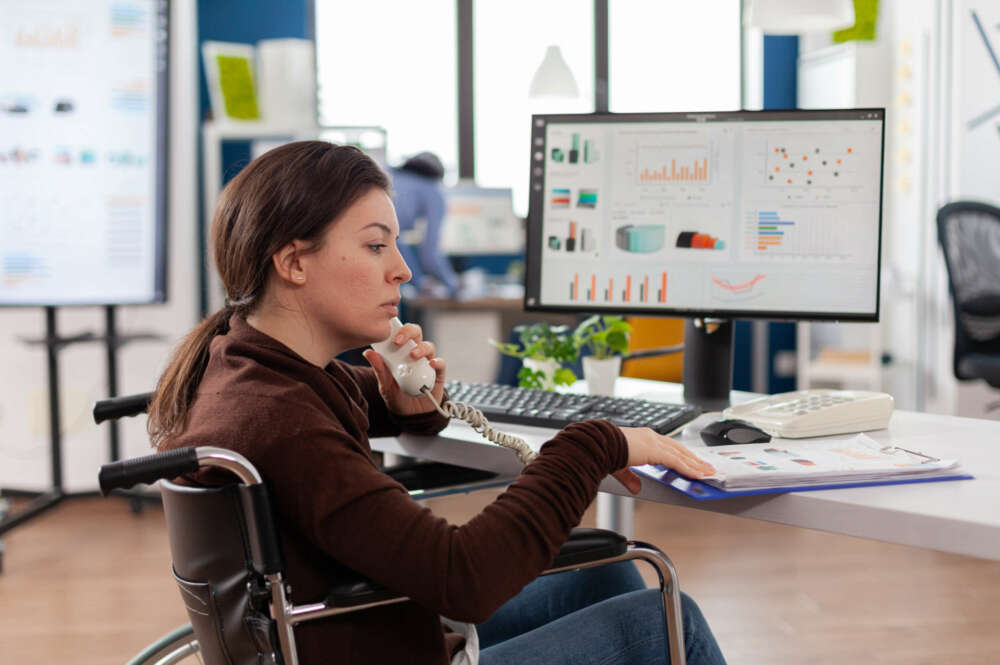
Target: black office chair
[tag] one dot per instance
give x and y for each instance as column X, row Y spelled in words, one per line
column 228, row 565
column 969, row 233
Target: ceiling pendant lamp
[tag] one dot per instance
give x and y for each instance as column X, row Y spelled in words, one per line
column 553, row 77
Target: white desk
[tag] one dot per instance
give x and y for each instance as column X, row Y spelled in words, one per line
column 953, row 516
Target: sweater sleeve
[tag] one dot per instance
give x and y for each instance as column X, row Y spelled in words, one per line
column 367, row 522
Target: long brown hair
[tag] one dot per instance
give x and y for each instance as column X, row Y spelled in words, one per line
column 292, row 192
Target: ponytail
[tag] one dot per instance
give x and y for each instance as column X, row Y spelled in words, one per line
column 176, row 389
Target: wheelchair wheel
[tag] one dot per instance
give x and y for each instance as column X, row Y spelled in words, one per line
column 177, row 646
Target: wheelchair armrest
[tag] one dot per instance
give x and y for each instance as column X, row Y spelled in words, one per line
column 352, row 590
column 583, row 546
column 586, row 545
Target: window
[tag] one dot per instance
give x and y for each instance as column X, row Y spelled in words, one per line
column 391, row 63
column 510, row 41
column 673, row 55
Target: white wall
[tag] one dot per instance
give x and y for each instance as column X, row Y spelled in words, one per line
column 24, row 432
column 975, row 137
column 931, row 71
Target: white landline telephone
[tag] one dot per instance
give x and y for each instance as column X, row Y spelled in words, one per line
column 416, row 378
column 815, row 412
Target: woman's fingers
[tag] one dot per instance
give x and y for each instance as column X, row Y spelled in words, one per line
column 408, row 331
column 439, row 366
column 648, row 447
column 688, row 456
column 423, row 350
column 686, row 462
column 695, row 468
column 382, row 373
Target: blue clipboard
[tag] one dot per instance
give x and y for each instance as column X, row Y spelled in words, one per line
column 705, row 492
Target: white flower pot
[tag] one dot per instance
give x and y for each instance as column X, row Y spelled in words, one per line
column 600, row 375
column 548, row 367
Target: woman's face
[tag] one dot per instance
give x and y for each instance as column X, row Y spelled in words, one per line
column 352, row 281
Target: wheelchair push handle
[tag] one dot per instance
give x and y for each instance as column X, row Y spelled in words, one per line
column 148, row 469
column 121, row 407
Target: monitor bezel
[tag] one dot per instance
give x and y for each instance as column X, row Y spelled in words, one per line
column 533, row 244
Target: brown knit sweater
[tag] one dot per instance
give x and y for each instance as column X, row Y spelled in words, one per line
column 306, row 430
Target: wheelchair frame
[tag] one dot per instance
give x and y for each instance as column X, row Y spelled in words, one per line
column 182, row 642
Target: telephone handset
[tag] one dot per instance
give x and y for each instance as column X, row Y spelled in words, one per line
column 416, row 378
column 413, row 376
column 816, row 412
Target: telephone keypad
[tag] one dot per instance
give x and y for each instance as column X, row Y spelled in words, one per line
column 818, row 412
column 806, row 405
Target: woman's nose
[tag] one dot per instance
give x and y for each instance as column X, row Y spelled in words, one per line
column 401, row 272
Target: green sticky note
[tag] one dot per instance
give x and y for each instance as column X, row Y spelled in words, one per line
column 865, row 18
column 236, row 81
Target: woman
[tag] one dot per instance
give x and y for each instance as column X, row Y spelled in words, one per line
column 305, row 244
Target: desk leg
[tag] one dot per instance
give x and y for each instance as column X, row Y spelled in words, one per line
column 616, row 513
column 391, row 459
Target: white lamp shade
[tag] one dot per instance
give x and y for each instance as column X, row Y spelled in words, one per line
column 553, row 78
column 789, row 17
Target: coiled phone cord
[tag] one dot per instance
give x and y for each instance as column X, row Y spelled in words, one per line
column 480, row 424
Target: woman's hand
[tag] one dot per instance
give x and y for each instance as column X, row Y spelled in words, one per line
column 647, row 447
column 399, row 402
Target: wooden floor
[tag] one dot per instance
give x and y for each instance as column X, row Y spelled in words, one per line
column 89, row 583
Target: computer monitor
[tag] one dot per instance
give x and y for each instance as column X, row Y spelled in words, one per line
column 480, row 220
column 734, row 215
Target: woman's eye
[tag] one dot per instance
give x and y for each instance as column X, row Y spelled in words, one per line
column 377, row 247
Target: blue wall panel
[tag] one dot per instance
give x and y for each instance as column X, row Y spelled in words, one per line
column 781, row 55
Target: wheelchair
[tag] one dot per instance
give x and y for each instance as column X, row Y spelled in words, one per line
column 228, row 565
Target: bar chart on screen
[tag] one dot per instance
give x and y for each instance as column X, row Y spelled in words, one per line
column 629, row 288
column 672, row 164
column 804, row 233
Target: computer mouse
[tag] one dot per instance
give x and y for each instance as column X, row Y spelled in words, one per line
column 728, row 432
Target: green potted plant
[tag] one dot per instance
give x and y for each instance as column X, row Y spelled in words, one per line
column 542, row 348
column 606, row 337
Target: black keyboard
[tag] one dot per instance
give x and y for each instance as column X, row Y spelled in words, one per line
column 526, row 406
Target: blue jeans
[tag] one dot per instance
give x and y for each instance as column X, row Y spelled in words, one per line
column 602, row 615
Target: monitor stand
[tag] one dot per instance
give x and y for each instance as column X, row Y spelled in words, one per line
column 708, row 363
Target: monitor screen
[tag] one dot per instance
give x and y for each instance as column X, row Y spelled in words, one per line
column 747, row 214
column 83, row 118
column 480, row 220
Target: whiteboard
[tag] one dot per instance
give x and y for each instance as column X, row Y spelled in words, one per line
column 83, row 109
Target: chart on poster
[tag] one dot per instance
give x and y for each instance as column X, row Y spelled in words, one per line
column 82, row 151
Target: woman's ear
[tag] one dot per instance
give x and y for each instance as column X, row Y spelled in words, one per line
column 288, row 264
